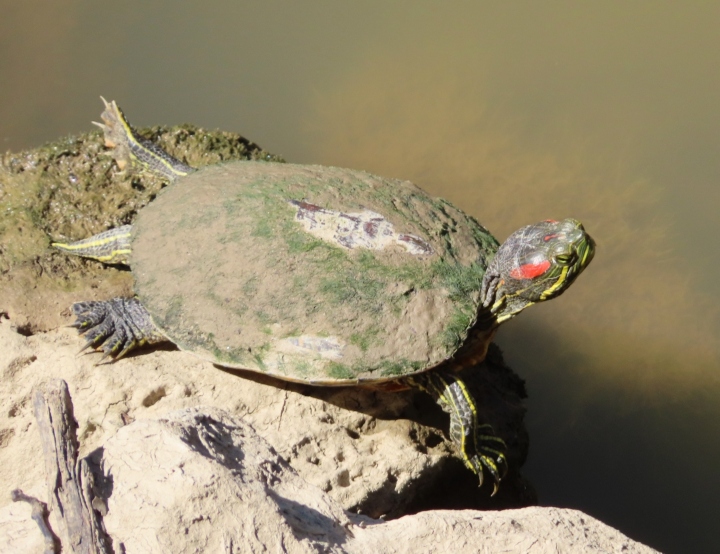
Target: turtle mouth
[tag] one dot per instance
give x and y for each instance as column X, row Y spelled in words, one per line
column 585, row 251
column 583, row 246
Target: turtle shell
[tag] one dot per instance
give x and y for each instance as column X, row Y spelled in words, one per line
column 309, row 273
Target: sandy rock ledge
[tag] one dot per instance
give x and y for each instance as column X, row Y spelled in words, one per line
column 201, row 480
column 379, row 454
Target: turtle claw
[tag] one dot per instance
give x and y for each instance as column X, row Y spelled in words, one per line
column 102, row 359
column 116, row 326
column 87, row 345
column 111, row 354
column 493, row 467
column 128, row 347
column 497, row 467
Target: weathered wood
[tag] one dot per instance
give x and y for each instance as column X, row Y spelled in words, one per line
column 39, row 514
column 69, row 483
column 96, row 508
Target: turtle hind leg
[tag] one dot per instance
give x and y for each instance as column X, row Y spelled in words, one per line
column 480, row 448
column 129, row 148
column 117, row 326
column 110, row 247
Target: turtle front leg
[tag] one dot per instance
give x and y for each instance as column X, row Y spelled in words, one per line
column 118, row 326
column 479, row 446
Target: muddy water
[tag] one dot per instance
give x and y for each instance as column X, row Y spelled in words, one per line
column 607, row 113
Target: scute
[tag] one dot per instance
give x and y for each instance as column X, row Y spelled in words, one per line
column 309, row 273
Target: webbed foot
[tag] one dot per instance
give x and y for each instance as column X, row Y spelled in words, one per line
column 129, row 148
column 480, row 448
column 116, row 326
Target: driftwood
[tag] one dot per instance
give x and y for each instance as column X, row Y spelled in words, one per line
column 69, row 482
column 40, row 516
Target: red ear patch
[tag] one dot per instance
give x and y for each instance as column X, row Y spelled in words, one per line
column 530, row 271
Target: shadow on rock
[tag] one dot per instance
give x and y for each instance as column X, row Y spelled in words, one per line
column 499, row 393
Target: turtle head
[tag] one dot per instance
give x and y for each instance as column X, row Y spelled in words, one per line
column 535, row 263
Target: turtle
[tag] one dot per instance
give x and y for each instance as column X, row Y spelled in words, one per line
column 321, row 275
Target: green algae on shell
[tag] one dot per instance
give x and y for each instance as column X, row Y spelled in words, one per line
column 309, row 273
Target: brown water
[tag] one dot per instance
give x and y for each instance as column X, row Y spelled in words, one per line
column 607, row 112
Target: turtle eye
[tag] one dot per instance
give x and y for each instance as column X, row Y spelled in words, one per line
column 566, row 259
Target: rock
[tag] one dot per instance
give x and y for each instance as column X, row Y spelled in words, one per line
column 201, row 480
column 533, row 530
column 18, row 532
column 378, row 453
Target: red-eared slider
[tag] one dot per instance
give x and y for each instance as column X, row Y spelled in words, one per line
column 324, row 276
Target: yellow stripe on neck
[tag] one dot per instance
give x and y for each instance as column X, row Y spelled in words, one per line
column 563, row 276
